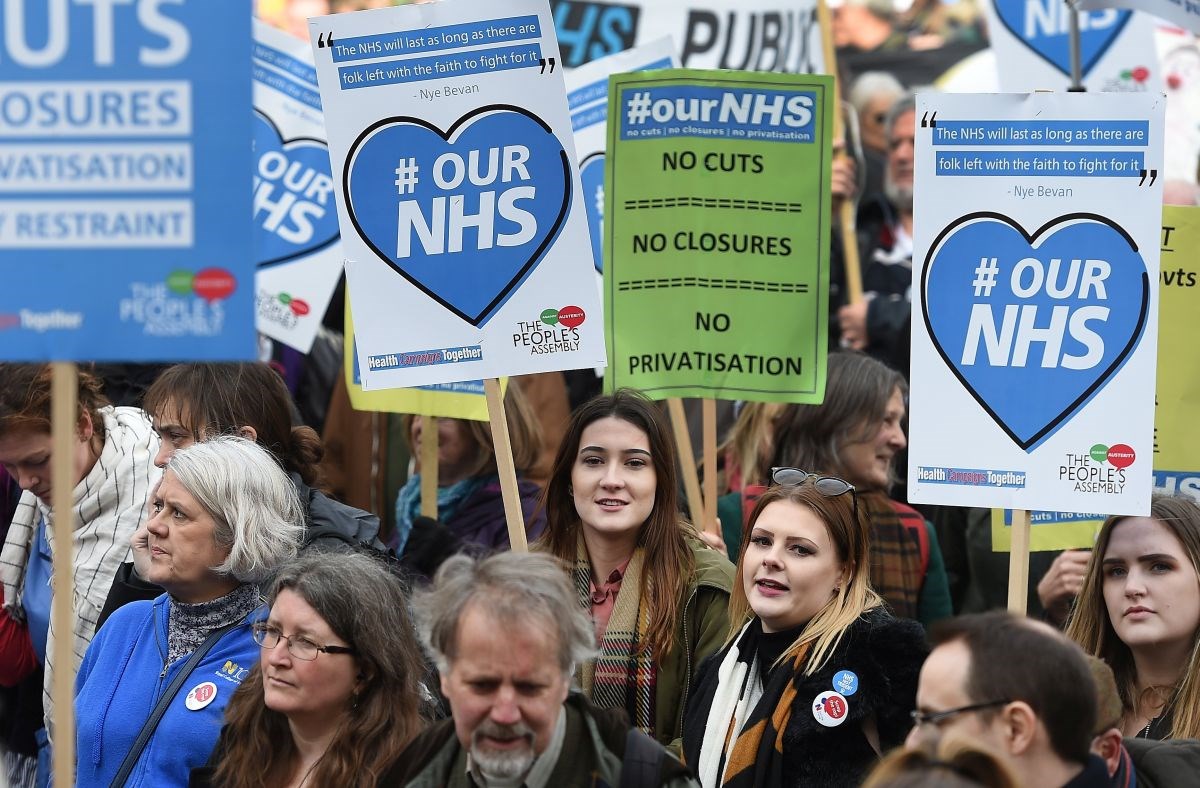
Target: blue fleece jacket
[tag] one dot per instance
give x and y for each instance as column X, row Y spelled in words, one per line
column 120, row 681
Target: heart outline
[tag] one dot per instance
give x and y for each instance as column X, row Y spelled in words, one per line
column 1101, row 380
column 1085, row 68
column 534, row 259
column 283, row 145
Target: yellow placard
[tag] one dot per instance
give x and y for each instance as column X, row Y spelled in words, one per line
column 448, row 400
column 1176, row 428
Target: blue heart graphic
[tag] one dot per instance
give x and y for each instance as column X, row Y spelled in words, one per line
column 294, row 212
column 511, row 165
column 1099, row 268
column 1041, row 25
column 591, row 173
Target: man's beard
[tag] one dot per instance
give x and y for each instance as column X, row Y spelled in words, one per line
column 502, row 764
column 899, row 196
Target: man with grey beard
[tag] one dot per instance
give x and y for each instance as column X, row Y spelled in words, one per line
column 880, row 323
column 506, row 633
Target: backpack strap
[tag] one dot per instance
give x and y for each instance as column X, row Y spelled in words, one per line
column 164, row 700
column 642, row 765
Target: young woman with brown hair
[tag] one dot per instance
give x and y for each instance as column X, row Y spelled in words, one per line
column 1139, row 611
column 657, row 596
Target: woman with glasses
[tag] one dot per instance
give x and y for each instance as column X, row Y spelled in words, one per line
column 857, row 434
column 656, row 594
column 158, row 675
column 336, row 694
column 817, row 679
column 1139, row 611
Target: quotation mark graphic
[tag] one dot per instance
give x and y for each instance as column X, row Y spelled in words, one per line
column 543, row 63
column 406, row 176
column 639, row 108
column 985, row 276
column 323, row 42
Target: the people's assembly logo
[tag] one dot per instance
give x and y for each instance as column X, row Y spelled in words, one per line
column 554, row 331
column 1100, row 470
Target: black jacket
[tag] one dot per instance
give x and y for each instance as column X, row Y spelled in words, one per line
column 885, row 653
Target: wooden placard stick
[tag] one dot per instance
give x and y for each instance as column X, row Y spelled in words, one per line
column 1018, row 563
column 845, row 208
column 429, row 466
column 687, row 459
column 505, row 466
column 709, row 425
column 64, row 426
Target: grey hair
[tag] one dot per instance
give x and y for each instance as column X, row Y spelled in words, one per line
column 870, row 84
column 257, row 512
column 513, row 589
column 906, row 103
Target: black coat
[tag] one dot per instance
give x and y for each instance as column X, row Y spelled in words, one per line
column 885, row 653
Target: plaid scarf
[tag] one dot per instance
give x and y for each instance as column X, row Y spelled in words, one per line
column 621, row 676
column 752, row 716
column 896, row 572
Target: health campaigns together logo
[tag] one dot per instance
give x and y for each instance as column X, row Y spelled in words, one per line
column 186, row 304
column 1100, row 470
column 555, row 331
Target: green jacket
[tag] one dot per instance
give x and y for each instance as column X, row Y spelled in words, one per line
column 592, row 754
column 702, row 628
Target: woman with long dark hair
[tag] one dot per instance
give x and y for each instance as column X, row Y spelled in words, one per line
column 656, row 594
column 336, row 694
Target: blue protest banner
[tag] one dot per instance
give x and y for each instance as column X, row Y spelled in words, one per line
column 125, row 181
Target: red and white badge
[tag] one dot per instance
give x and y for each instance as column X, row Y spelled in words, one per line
column 200, row 696
column 831, row 709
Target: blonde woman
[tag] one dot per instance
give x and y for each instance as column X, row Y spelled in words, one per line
column 817, row 679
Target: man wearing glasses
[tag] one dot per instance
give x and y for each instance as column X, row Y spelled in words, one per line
column 1017, row 687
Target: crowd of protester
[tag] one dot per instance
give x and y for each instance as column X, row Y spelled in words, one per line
column 260, row 603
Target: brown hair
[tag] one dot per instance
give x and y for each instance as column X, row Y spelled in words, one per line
column 1016, row 659
column 750, row 442
column 218, row 399
column 25, row 399
column 852, row 542
column 669, row 563
column 524, row 434
column 1091, row 627
column 957, row 763
column 857, row 390
column 365, row 605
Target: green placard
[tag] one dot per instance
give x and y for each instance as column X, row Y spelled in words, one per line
column 716, row 244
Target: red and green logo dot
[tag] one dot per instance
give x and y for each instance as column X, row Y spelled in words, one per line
column 211, row 284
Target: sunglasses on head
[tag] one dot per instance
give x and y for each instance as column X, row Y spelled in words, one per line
column 829, row 486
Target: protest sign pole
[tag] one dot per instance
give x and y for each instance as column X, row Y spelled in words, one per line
column 429, row 466
column 687, row 458
column 505, row 466
column 1018, row 563
column 846, row 217
column 709, row 425
column 1073, row 44
column 64, row 393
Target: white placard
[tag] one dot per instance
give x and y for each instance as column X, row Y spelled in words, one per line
column 296, row 240
column 587, row 98
column 458, row 192
column 1031, row 39
column 1035, row 303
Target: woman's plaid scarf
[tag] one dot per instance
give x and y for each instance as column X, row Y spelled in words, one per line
column 750, row 717
column 621, row 676
column 896, row 572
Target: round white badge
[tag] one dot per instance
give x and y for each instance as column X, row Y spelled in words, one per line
column 200, row 696
column 831, row 709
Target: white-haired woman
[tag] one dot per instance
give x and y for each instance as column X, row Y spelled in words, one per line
column 155, row 681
